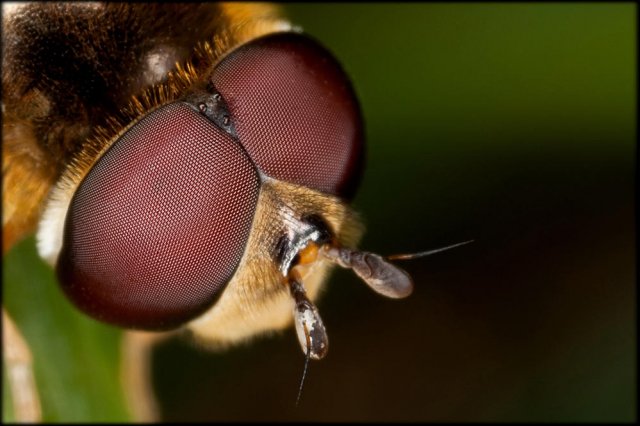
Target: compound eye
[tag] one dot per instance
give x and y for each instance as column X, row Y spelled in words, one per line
column 160, row 223
column 295, row 112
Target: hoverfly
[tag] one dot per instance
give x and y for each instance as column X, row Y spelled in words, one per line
column 184, row 176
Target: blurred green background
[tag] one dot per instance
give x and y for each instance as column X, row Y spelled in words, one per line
column 512, row 124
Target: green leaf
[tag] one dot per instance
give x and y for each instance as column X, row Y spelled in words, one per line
column 76, row 359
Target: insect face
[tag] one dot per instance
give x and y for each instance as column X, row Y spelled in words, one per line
column 224, row 208
column 182, row 177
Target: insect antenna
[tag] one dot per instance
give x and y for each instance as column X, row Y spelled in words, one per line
column 410, row 256
column 312, row 335
column 307, row 357
column 376, row 271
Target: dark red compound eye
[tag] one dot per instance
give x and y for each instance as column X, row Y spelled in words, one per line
column 159, row 225
column 295, row 112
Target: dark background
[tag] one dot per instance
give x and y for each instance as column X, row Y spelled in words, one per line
column 510, row 124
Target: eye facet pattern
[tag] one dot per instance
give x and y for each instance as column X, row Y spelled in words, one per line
column 295, row 112
column 159, row 225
